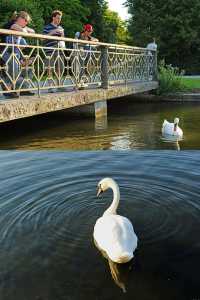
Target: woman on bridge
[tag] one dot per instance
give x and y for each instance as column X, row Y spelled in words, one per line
column 13, row 59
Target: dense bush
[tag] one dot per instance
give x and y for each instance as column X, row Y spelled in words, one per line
column 169, row 79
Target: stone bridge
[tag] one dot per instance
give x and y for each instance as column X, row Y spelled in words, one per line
column 35, row 79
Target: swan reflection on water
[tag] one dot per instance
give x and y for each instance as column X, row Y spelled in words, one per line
column 174, row 140
column 119, row 272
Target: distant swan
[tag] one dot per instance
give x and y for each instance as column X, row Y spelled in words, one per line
column 172, row 128
column 113, row 233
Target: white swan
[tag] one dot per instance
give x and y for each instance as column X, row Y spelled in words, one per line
column 172, row 128
column 113, row 233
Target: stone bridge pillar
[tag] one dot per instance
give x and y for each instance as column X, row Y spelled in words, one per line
column 100, row 108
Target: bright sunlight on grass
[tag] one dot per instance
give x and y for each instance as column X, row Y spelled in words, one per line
column 191, row 83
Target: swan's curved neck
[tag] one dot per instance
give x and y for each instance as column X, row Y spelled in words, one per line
column 112, row 209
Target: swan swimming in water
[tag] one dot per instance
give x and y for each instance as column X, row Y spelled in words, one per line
column 172, row 128
column 113, row 233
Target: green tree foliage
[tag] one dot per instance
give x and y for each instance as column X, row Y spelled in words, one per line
column 74, row 13
column 122, row 33
column 174, row 24
column 98, row 9
column 32, row 7
column 115, row 29
column 108, row 26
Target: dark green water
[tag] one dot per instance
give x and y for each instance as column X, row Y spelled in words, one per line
column 48, row 208
column 130, row 126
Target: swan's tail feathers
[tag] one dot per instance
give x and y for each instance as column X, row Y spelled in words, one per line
column 125, row 257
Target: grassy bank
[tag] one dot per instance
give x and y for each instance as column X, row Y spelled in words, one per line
column 191, row 84
column 171, row 80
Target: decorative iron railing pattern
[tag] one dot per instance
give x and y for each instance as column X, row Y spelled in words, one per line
column 75, row 63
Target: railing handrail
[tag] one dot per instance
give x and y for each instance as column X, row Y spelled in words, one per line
column 50, row 37
column 42, row 68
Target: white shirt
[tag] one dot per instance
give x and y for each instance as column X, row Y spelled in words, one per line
column 152, row 46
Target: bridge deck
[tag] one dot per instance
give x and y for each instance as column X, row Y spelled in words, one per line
column 33, row 105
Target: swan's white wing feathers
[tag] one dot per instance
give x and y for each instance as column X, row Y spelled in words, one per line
column 165, row 123
column 115, row 235
column 168, row 129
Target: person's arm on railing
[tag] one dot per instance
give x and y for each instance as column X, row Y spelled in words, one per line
column 94, row 39
column 23, row 29
column 54, row 32
column 29, row 30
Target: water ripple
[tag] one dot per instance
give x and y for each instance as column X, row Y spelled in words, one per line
column 48, row 202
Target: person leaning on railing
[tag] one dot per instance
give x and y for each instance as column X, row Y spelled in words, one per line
column 18, row 22
column 86, row 35
column 50, row 46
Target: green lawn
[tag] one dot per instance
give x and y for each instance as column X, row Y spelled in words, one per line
column 191, row 83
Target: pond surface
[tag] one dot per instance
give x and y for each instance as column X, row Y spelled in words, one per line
column 130, row 125
column 48, row 208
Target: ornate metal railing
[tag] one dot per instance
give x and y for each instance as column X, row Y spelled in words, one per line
column 74, row 64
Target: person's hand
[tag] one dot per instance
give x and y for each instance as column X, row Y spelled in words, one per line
column 59, row 31
column 55, row 32
column 30, row 30
column 25, row 30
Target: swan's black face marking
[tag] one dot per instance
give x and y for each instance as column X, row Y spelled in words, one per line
column 99, row 190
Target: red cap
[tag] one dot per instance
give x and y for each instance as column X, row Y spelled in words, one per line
column 88, row 27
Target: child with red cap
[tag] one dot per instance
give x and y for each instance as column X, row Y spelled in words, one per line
column 85, row 34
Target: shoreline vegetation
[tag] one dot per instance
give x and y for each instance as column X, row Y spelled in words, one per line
column 172, row 81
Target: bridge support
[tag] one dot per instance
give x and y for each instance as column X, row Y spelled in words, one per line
column 97, row 109
column 100, row 109
column 100, row 115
